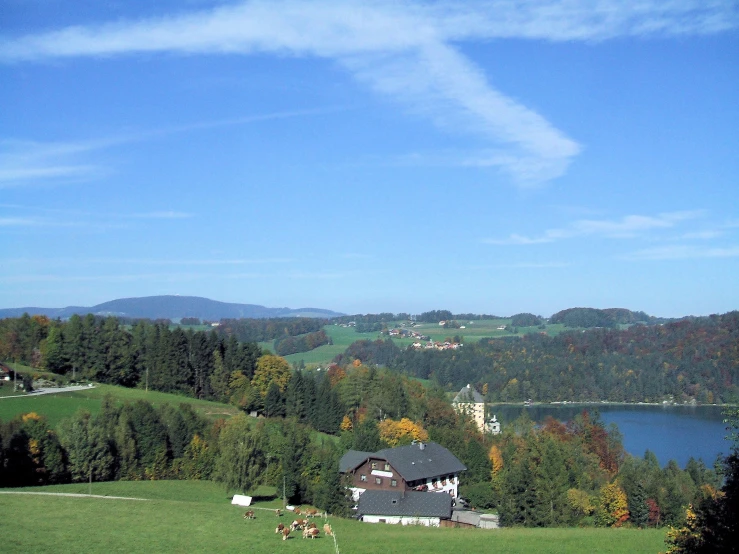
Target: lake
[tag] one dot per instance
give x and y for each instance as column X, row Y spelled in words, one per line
column 671, row 432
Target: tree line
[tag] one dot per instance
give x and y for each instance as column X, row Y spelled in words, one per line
column 302, row 343
column 262, row 330
column 694, row 359
column 135, row 441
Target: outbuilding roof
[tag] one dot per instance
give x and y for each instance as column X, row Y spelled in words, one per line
column 410, row 504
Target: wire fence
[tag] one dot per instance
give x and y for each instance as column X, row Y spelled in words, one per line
column 333, row 533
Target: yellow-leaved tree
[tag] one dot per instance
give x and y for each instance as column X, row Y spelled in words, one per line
column 346, row 424
column 496, row 461
column 403, row 431
column 612, row 508
column 271, row 369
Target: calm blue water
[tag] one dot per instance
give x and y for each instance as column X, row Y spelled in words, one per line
column 671, row 432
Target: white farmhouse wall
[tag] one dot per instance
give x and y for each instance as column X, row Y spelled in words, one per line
column 403, row 520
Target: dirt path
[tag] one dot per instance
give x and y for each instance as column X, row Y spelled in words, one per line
column 76, row 495
column 38, row 392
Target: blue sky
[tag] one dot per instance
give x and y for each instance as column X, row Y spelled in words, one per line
column 488, row 157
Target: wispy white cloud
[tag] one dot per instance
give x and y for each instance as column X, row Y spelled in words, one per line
column 21, row 222
column 706, row 234
column 50, row 217
column 162, row 215
column 630, row 226
column 683, row 252
column 143, row 261
column 24, row 162
column 520, row 265
column 405, row 51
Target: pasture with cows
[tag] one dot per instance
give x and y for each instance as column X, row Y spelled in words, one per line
column 196, row 516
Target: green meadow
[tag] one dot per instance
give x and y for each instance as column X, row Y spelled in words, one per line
column 196, row 516
column 61, row 405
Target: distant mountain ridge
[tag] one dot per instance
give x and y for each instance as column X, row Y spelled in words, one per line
column 172, row 307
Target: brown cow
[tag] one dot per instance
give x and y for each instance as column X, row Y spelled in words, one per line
column 249, row 514
column 311, row 512
column 312, row 533
column 280, row 528
column 297, row 524
column 327, row 529
column 285, row 533
column 297, row 511
column 278, row 512
column 310, row 525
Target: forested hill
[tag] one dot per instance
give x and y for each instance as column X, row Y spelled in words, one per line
column 171, row 307
column 695, row 359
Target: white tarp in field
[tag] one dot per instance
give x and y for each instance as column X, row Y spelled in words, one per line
column 241, row 500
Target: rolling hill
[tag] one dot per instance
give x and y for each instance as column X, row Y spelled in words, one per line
column 171, row 307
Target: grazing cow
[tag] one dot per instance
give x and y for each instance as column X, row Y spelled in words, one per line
column 278, row 512
column 249, row 514
column 312, row 533
column 311, row 512
column 297, row 511
column 311, row 525
column 280, row 528
column 285, row 533
column 327, row 529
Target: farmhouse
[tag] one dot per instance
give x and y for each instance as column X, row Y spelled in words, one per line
column 406, row 508
column 421, row 466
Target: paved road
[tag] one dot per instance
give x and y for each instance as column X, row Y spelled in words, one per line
column 38, row 392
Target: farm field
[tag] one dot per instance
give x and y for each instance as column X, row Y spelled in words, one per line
column 342, row 337
column 62, row 405
column 193, row 516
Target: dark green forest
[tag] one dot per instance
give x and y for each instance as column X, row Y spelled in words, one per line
column 695, row 359
column 559, row 473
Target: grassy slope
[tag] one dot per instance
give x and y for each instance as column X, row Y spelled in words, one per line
column 187, row 516
column 59, row 406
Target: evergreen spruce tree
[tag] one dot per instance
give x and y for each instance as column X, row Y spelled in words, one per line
column 274, row 402
column 295, row 397
column 638, row 507
column 220, row 378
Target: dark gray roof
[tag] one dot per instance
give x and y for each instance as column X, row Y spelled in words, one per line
column 468, row 394
column 411, row 504
column 421, row 460
column 352, row 459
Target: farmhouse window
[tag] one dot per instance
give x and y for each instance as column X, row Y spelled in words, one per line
column 387, row 467
column 393, row 483
column 378, row 480
column 362, row 477
column 374, row 465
